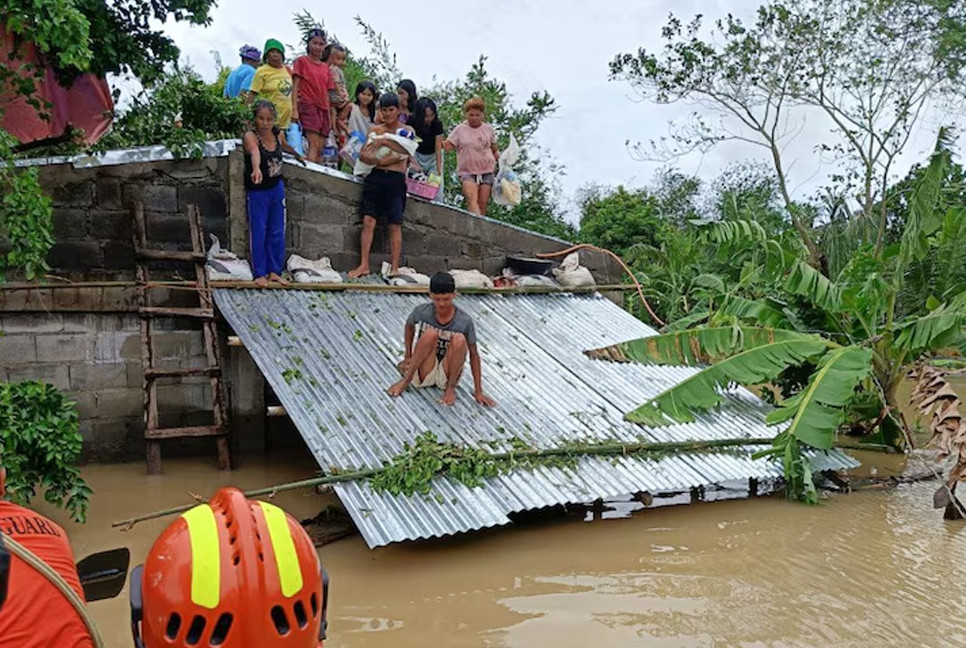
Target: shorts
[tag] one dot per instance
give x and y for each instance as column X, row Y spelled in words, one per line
column 478, row 178
column 315, row 119
column 435, row 378
column 384, row 196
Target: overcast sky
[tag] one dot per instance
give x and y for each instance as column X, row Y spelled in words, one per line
column 561, row 46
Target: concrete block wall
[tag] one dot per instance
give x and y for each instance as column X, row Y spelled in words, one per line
column 95, row 358
column 92, row 211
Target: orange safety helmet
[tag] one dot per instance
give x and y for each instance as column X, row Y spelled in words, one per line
column 232, row 573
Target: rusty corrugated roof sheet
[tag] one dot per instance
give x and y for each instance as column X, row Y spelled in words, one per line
column 329, row 357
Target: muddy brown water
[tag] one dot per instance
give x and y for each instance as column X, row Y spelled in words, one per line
column 871, row 569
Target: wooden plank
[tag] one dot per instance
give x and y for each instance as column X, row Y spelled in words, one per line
column 153, row 457
column 224, row 453
column 140, row 227
column 182, row 432
column 163, row 311
column 201, row 268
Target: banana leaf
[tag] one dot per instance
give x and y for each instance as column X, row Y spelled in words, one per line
column 702, row 391
column 700, row 346
column 817, row 411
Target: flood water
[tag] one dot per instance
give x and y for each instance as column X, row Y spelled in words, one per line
column 871, row 569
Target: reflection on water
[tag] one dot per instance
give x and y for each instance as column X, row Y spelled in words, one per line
column 871, row 569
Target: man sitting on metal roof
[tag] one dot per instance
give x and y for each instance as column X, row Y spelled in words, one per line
column 444, row 334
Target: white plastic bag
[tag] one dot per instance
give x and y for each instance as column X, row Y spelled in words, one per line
column 223, row 265
column 471, row 279
column 506, row 186
column 307, row 271
column 571, row 274
column 404, row 276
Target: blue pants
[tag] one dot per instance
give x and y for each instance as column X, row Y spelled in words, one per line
column 266, row 230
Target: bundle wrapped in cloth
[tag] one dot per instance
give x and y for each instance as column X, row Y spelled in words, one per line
column 308, row 271
column 223, row 265
column 403, row 137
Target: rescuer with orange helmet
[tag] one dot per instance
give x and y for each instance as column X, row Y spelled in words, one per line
column 232, row 573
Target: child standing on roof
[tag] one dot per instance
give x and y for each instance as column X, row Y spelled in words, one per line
column 312, row 82
column 476, row 155
column 265, row 192
column 384, row 189
column 273, row 82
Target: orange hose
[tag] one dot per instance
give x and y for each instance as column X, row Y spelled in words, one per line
column 637, row 284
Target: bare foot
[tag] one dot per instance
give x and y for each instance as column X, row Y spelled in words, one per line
column 397, row 388
column 361, row 271
column 261, row 282
column 278, row 279
column 448, row 397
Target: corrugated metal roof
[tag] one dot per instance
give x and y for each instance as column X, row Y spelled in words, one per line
column 329, row 356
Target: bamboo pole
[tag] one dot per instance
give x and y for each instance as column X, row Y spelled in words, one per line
column 611, row 449
column 608, row 449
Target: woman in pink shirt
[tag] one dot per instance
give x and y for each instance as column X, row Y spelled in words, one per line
column 476, row 155
column 311, row 82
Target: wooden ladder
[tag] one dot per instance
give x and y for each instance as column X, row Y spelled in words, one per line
column 205, row 312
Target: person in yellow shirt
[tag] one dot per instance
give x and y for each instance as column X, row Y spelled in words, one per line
column 273, row 81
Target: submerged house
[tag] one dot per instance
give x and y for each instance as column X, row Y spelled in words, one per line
column 330, row 355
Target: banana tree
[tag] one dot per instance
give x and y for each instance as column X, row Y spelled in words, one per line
column 844, row 333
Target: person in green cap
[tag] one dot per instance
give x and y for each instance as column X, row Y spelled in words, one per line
column 273, row 82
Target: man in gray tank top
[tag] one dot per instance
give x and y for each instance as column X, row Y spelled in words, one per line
column 444, row 335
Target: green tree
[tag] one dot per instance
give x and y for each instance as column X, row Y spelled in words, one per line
column 126, row 36
column 619, row 219
column 854, row 346
column 182, row 112
column 870, row 67
column 40, row 444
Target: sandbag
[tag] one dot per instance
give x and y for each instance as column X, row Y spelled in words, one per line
column 571, row 274
column 308, row 271
column 404, row 276
column 471, row 279
column 222, row 265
